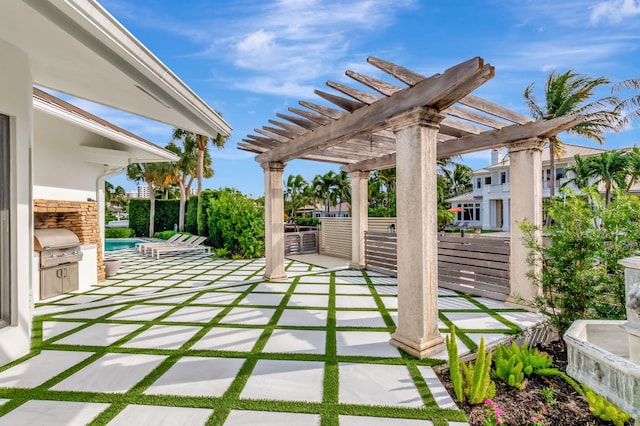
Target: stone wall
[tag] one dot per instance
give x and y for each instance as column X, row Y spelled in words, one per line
column 78, row 216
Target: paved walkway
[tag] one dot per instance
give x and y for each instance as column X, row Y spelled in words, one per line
column 189, row 340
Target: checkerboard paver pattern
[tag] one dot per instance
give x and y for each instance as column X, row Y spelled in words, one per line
column 198, row 340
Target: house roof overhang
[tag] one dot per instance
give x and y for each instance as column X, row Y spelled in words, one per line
column 359, row 137
column 77, row 47
column 113, row 147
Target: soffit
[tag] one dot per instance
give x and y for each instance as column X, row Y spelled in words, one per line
column 77, row 47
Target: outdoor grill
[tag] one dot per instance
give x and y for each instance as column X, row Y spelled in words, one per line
column 59, row 256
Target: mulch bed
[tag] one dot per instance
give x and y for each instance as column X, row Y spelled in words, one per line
column 520, row 405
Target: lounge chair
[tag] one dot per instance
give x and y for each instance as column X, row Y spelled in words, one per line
column 142, row 247
column 190, row 245
column 180, row 243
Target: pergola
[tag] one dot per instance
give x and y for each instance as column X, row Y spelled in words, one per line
column 408, row 126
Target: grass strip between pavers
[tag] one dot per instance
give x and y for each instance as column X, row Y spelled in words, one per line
column 329, row 409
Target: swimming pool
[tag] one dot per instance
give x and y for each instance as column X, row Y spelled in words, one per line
column 111, row 244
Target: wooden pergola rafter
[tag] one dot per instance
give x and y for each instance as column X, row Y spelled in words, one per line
column 357, row 135
column 408, row 123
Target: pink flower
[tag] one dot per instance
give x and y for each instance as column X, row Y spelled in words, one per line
column 498, row 411
column 534, row 419
column 488, row 402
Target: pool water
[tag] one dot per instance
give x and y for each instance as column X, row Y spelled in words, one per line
column 111, row 244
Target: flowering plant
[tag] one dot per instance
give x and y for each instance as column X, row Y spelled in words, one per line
column 493, row 413
column 537, row 419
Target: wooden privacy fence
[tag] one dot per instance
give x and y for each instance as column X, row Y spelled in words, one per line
column 305, row 242
column 472, row 265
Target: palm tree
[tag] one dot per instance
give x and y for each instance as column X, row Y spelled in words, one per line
column 581, row 172
column 633, row 167
column 294, row 190
column 323, row 188
column 201, row 142
column 630, row 107
column 342, row 190
column 185, row 170
column 570, row 93
column 152, row 174
column 458, row 180
column 610, row 168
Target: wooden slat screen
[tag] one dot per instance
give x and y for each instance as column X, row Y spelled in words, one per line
column 476, row 265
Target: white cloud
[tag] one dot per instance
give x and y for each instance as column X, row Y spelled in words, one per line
column 615, row 11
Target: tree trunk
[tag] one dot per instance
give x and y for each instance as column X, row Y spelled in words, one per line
column 199, row 171
column 152, row 207
column 183, row 203
column 552, row 166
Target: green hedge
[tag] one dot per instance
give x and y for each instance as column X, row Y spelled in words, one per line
column 166, row 216
column 191, row 215
column 236, row 223
column 118, row 233
column 307, row 221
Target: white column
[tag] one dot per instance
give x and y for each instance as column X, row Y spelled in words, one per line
column 506, row 214
column 360, row 217
column 274, row 221
column 486, row 213
column 526, row 204
column 416, row 141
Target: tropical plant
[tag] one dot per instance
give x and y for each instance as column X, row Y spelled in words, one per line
column 580, row 173
column 153, row 174
column 184, row 171
column 342, row 189
column 323, row 189
column 114, row 196
column 294, row 191
column 630, row 107
column 201, row 143
column 633, row 167
column 570, row 93
column 610, row 168
column 470, row 381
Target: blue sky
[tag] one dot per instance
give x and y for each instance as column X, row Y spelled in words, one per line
column 250, row 59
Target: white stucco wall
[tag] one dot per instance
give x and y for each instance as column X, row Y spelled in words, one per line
column 60, row 172
column 16, row 102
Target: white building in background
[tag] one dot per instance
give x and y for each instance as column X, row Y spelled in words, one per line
column 143, row 191
column 487, row 205
column 132, row 194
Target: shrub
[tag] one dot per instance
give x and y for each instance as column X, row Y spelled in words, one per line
column 221, row 252
column 165, row 235
column 236, row 223
column 191, row 215
column 307, row 221
column 454, row 364
column 580, row 276
column 205, row 201
column 118, row 233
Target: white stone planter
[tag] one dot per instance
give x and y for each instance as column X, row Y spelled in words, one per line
column 111, row 267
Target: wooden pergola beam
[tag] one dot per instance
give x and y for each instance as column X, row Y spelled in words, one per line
column 442, row 90
column 487, row 140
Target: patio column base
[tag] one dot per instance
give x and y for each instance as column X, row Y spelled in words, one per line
column 357, row 266
column 275, row 277
column 419, row 349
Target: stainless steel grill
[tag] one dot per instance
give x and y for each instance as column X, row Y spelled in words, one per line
column 60, row 253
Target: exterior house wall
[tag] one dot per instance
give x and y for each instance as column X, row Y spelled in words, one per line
column 60, row 172
column 16, row 102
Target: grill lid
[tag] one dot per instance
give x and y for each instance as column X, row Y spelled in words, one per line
column 48, row 239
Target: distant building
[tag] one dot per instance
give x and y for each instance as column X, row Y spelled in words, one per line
column 143, row 191
column 488, row 204
column 132, row 194
column 339, row 210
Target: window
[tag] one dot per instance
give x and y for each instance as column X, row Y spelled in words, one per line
column 5, row 253
column 503, row 177
column 478, row 183
column 487, row 180
column 559, row 173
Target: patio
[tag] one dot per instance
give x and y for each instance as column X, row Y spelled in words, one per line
column 193, row 340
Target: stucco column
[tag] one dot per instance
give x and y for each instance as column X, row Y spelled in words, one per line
column 526, row 204
column 486, row 213
column 359, row 217
column 417, row 199
column 273, row 221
